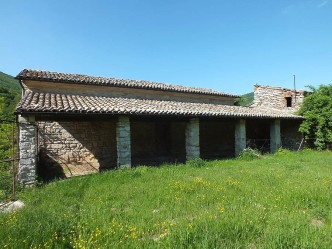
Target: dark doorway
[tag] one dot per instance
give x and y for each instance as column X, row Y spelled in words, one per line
column 288, row 101
column 217, row 138
column 157, row 141
column 258, row 134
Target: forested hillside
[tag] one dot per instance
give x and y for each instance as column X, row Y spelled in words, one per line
column 245, row 99
column 9, row 97
column 10, row 92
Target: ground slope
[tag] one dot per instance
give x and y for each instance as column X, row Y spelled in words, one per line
column 277, row 201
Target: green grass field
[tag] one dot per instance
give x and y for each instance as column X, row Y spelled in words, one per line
column 280, row 201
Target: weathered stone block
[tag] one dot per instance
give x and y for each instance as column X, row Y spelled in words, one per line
column 192, row 139
column 240, row 136
column 275, row 137
column 77, row 145
column 27, row 163
column 123, row 141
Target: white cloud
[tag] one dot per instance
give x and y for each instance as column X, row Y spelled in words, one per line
column 308, row 4
column 322, row 4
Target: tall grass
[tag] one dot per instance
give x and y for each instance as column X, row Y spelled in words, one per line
column 279, row 201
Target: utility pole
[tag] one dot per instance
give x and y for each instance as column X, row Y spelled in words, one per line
column 294, row 89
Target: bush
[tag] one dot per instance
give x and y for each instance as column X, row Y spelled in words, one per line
column 282, row 152
column 5, row 182
column 317, row 111
column 196, row 162
column 249, row 154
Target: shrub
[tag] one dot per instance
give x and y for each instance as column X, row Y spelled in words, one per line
column 282, row 152
column 196, row 162
column 317, row 111
column 249, row 154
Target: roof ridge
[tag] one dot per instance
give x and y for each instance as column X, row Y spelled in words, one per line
column 40, row 75
column 79, row 104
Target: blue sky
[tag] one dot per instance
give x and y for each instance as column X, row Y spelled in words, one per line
column 224, row 45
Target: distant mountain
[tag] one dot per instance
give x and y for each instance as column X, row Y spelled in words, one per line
column 10, row 94
column 9, row 82
column 245, row 99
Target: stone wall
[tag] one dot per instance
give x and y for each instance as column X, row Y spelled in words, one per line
column 192, row 139
column 28, row 155
column 275, row 136
column 123, row 142
column 78, row 147
column 70, row 148
column 275, row 97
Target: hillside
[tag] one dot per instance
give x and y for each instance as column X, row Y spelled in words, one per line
column 276, row 201
column 245, row 99
column 248, row 98
column 10, row 93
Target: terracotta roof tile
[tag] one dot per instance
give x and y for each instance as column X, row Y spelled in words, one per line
column 47, row 76
column 58, row 102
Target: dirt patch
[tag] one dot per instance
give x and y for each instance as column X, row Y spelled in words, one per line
column 317, row 223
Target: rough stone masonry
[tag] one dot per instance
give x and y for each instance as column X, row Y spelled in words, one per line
column 275, row 97
column 28, row 155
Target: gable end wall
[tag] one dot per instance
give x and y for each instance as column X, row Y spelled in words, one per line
column 275, row 97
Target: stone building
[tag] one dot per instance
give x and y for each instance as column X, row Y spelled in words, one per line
column 74, row 124
column 277, row 97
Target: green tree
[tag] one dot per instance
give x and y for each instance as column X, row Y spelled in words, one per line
column 317, row 111
column 2, row 105
column 5, row 174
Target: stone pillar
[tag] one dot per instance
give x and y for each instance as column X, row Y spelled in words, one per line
column 27, row 169
column 240, row 136
column 275, row 138
column 123, row 142
column 192, row 139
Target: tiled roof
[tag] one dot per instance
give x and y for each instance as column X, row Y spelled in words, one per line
column 47, row 76
column 76, row 104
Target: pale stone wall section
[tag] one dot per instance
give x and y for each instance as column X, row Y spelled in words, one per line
column 275, row 138
column 28, row 158
column 76, row 147
column 123, row 140
column 192, row 139
column 275, row 97
column 240, row 136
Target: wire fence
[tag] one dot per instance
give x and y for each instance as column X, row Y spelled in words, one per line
column 8, row 160
column 294, row 144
